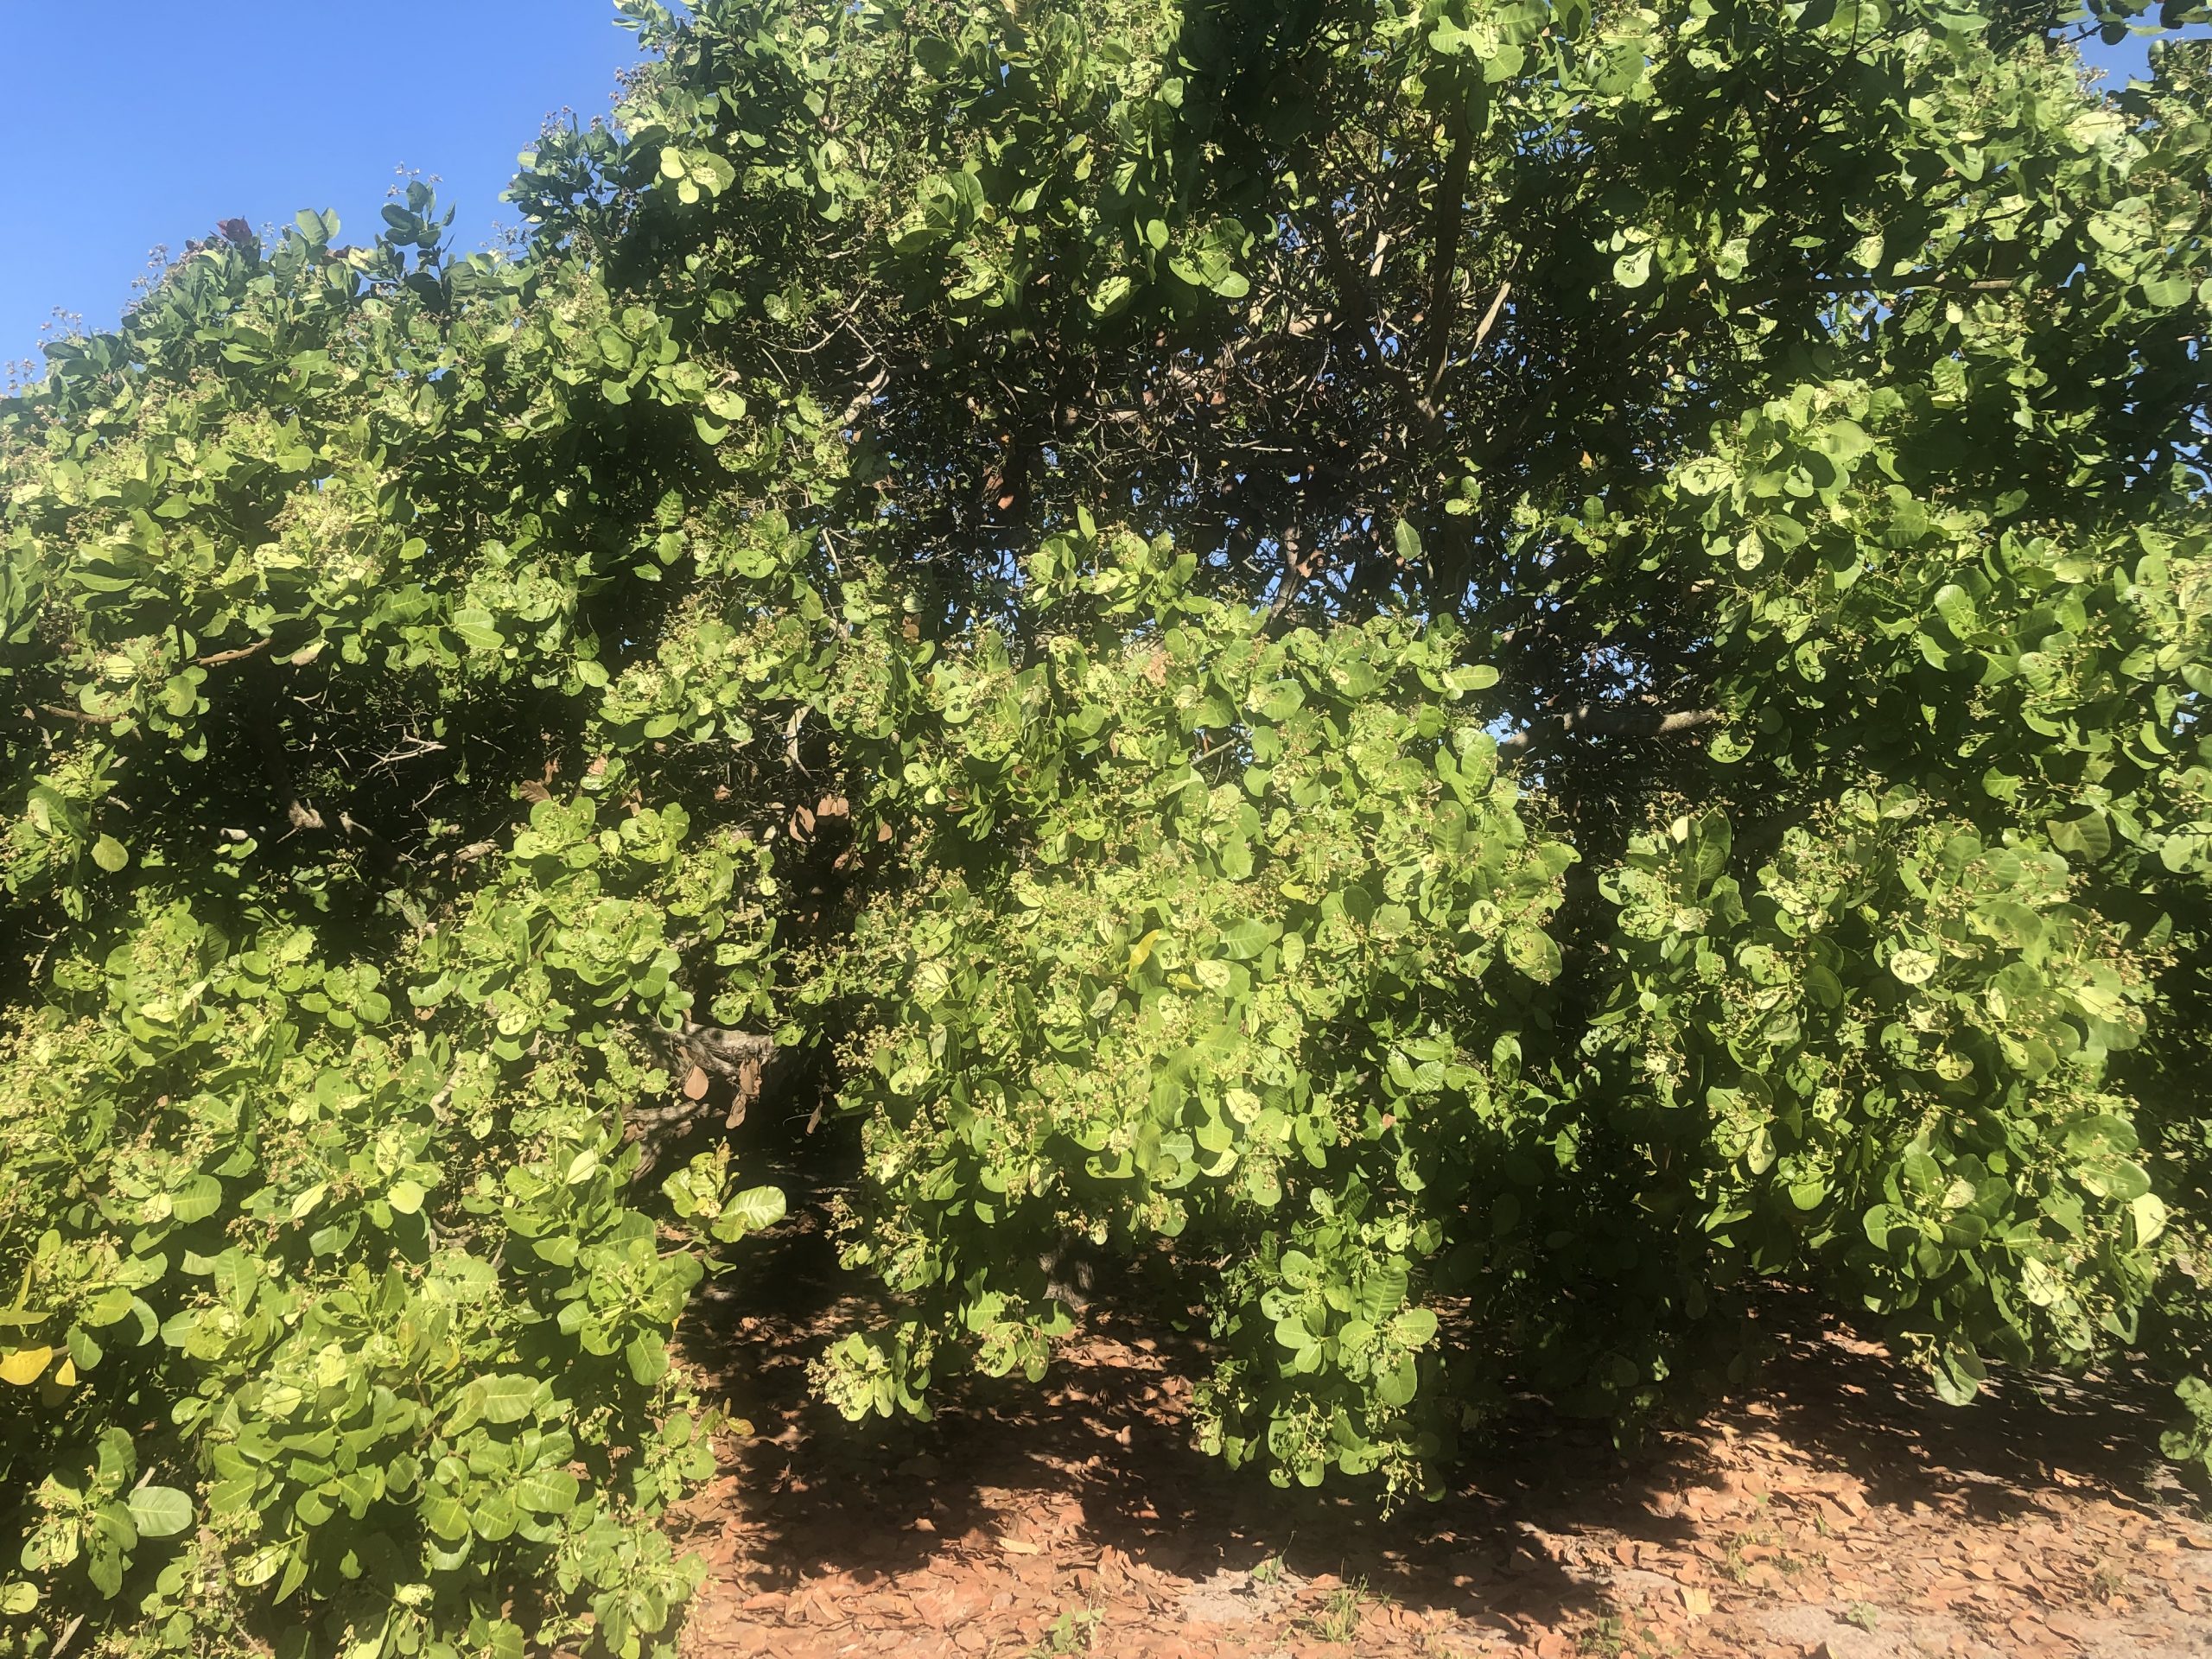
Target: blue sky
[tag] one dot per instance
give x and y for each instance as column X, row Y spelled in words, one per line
column 138, row 123
column 134, row 123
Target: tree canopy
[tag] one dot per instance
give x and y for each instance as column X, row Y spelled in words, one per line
column 1466, row 676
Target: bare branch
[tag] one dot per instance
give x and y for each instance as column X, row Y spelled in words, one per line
column 1594, row 719
column 1489, row 317
column 237, row 656
column 866, row 395
column 1877, row 285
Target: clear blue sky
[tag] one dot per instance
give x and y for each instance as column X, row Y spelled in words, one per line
column 135, row 123
column 132, row 123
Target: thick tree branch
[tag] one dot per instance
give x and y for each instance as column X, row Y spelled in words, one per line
column 698, row 1053
column 1595, row 720
column 1443, row 263
column 864, row 399
column 1353, row 290
column 724, row 1052
column 1294, row 573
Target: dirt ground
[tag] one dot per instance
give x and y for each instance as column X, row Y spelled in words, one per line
column 1837, row 1511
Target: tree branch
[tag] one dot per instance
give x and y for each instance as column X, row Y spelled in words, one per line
column 725, row 1053
column 1352, row 288
column 1489, row 317
column 863, row 398
column 1595, row 720
column 1878, row 285
column 740, row 1058
column 237, row 656
column 1444, row 261
column 1294, row 573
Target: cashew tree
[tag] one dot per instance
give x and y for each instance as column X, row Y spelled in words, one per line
column 1461, row 677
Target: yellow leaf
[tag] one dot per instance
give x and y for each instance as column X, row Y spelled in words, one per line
column 1696, row 1601
column 22, row 1366
column 64, row 1373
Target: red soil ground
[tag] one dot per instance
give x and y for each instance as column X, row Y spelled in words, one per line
column 1836, row 1510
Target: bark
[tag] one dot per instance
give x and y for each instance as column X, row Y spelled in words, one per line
column 1591, row 720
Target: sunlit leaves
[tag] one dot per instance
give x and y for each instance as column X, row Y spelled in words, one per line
column 1238, row 857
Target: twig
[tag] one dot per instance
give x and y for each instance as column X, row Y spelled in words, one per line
column 1875, row 285
column 237, row 656
column 423, row 746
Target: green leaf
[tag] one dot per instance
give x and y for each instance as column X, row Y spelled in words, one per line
column 109, row 854
column 195, row 1199
column 2088, row 835
column 1706, row 475
column 1112, row 293
column 1415, row 1327
column 2150, row 1214
column 1242, row 941
column 445, row 1515
column 2103, row 1136
column 547, row 1491
column 1914, row 967
column 1956, row 609
column 159, row 1511
column 1534, row 952
column 507, row 1398
column 1396, row 1386
column 755, row 1208
column 647, row 1356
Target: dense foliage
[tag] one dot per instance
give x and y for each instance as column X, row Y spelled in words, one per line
column 1464, row 677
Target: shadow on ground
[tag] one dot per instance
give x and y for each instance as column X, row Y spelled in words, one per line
column 1081, row 1496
